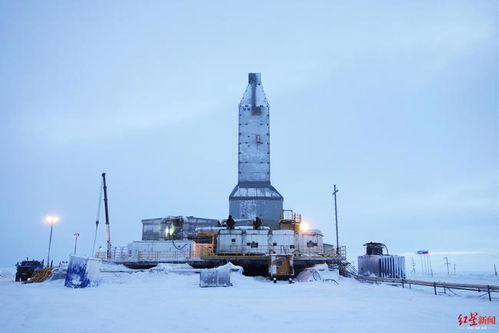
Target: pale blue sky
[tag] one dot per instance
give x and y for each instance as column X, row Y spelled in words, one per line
column 394, row 101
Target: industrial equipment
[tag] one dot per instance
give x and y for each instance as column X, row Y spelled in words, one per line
column 215, row 277
column 282, row 242
column 174, row 250
column 82, row 272
column 310, row 242
column 175, row 227
column 230, row 241
column 254, row 196
column 290, row 220
column 376, row 263
column 106, row 211
column 257, row 227
column 281, row 267
column 256, row 242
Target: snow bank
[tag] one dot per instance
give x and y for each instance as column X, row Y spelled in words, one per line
column 231, row 267
column 166, row 268
column 7, row 273
column 141, row 301
column 319, row 272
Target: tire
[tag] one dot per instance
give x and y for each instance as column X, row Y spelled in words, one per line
column 17, row 278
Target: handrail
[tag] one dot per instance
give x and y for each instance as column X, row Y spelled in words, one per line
column 446, row 285
column 199, row 251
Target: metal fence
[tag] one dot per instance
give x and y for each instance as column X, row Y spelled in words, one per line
column 200, row 251
column 487, row 289
column 247, row 250
column 123, row 254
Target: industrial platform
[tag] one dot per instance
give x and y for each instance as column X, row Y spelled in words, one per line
column 252, row 264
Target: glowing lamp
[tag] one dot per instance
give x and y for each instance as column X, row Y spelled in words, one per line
column 304, row 226
column 51, row 219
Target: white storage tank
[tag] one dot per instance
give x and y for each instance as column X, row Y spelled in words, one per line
column 256, row 242
column 282, row 241
column 310, row 242
column 230, row 241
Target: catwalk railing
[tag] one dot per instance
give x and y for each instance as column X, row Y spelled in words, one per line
column 207, row 251
column 488, row 289
column 300, row 251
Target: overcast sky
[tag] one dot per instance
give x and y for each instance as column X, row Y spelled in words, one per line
column 396, row 102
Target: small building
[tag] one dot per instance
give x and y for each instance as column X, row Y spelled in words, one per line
column 174, row 227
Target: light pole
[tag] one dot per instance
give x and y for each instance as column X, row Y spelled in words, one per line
column 76, row 235
column 50, row 219
column 336, row 220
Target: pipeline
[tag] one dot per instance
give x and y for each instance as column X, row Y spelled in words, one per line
column 487, row 289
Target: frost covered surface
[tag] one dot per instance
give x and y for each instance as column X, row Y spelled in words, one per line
column 82, row 272
column 171, row 268
column 152, row 302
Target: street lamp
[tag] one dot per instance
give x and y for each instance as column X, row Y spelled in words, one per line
column 335, row 190
column 76, row 235
column 50, row 219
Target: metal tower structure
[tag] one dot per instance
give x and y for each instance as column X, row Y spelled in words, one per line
column 253, row 195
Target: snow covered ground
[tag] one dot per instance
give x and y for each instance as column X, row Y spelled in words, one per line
column 159, row 302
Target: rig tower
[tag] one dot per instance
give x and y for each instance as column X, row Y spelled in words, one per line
column 253, row 195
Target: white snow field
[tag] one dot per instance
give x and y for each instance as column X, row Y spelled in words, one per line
column 159, row 302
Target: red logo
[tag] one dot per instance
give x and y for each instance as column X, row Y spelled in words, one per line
column 475, row 320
